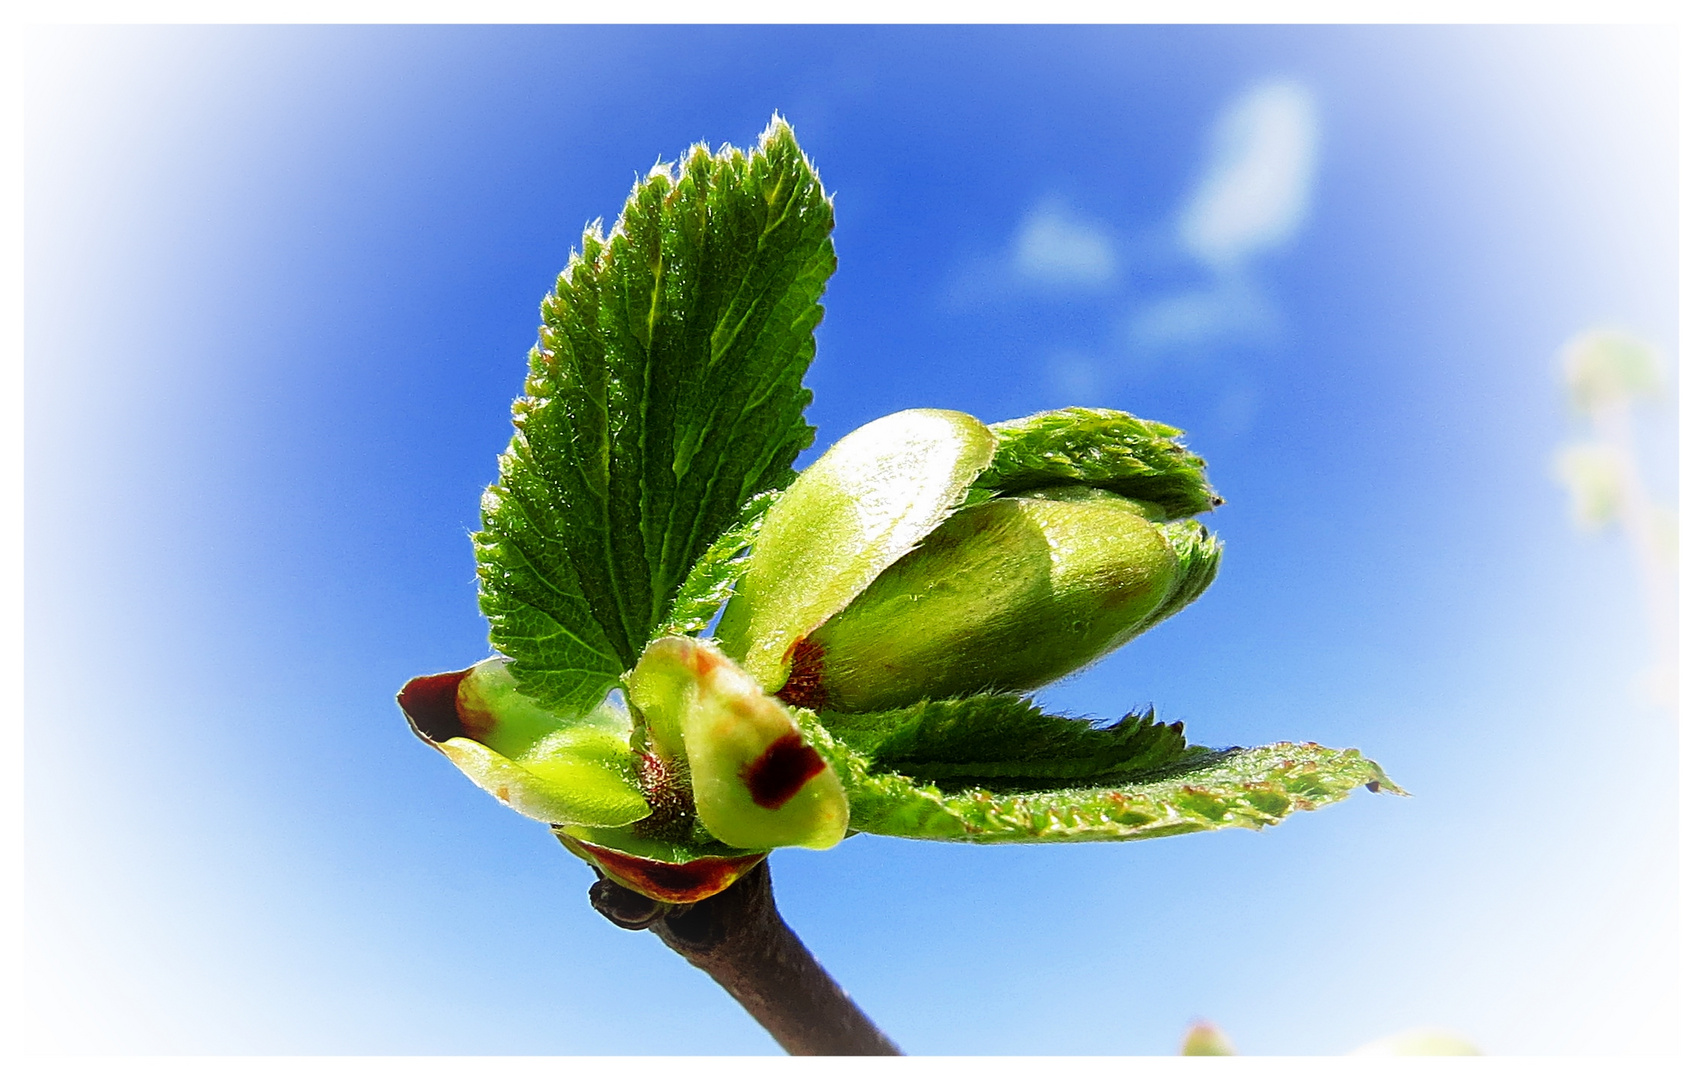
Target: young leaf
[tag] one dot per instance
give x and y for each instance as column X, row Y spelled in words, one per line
column 991, row 736
column 713, row 579
column 1138, row 459
column 665, row 391
column 1203, row 790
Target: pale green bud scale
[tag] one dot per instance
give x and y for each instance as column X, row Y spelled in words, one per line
column 873, row 496
column 555, row 769
column 755, row 782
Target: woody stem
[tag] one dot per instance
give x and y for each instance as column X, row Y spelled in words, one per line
column 739, row 940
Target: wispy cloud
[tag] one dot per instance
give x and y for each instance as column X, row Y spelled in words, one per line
column 1053, row 246
column 1228, row 308
column 1258, row 181
column 1200, row 264
column 1252, row 198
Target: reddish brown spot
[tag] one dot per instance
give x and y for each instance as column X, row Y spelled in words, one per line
column 703, row 662
column 429, row 704
column 804, row 688
column 781, row 770
column 674, row 883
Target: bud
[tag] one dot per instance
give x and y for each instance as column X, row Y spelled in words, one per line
column 566, row 772
column 755, row 782
column 873, row 496
column 1007, row 595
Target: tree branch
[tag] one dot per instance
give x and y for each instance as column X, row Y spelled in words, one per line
column 738, row 939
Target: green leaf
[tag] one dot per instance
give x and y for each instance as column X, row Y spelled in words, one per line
column 1202, row 790
column 1138, row 459
column 1002, row 736
column 665, row 391
column 713, row 580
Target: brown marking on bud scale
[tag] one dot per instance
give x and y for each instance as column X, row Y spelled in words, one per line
column 430, row 706
column 804, row 688
column 672, row 883
column 781, row 770
column 704, row 661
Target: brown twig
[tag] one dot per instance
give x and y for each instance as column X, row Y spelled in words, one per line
column 738, row 939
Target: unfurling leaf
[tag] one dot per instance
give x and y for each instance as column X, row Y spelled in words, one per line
column 1001, row 737
column 1201, row 790
column 718, row 572
column 666, row 391
column 1103, row 448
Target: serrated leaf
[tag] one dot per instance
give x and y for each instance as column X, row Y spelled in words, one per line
column 718, row 572
column 1203, row 790
column 1139, row 459
column 990, row 736
column 666, row 390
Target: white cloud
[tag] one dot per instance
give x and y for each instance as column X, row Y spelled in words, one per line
column 1228, row 310
column 1075, row 376
column 1056, row 248
column 1257, row 185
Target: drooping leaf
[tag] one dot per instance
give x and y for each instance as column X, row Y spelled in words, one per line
column 1139, row 459
column 665, row 391
column 1202, row 790
column 713, row 579
column 992, row 736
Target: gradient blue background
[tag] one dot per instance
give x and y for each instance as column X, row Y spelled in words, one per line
column 281, row 283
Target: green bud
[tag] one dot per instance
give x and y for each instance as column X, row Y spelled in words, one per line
column 873, row 496
column 563, row 771
column 1007, row 595
column 755, row 782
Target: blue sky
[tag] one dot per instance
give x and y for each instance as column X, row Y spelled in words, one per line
column 281, row 283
